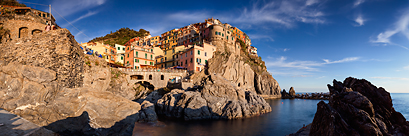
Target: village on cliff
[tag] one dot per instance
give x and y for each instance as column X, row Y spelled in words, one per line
column 57, row 86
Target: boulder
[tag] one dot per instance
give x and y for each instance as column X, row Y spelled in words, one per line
column 218, row 99
column 292, row 92
column 356, row 107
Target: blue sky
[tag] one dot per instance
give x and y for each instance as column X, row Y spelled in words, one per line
column 305, row 43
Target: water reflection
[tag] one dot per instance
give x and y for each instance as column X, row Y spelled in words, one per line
column 287, row 117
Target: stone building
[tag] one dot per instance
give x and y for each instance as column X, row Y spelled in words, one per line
column 24, row 22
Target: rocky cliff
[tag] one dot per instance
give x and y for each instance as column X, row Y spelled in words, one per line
column 48, row 81
column 357, row 107
column 227, row 89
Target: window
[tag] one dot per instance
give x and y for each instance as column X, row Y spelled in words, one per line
column 227, row 37
column 181, row 63
column 127, row 62
column 150, row 77
column 165, row 52
column 181, row 56
column 220, row 33
column 151, row 57
column 200, row 60
column 146, row 56
column 191, row 60
column 186, row 62
column 106, row 50
column 162, row 77
column 128, row 55
column 215, row 33
column 136, row 54
column 205, row 61
column 173, row 51
column 107, row 57
column 145, row 62
column 119, row 48
column 185, row 54
column 223, row 35
column 151, row 50
column 122, row 58
column 198, row 52
column 123, row 48
column 136, row 60
column 191, row 52
column 205, row 53
column 165, row 58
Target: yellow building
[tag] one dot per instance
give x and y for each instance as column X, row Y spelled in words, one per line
column 107, row 52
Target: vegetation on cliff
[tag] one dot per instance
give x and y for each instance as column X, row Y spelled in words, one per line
column 121, row 36
column 255, row 62
column 11, row 3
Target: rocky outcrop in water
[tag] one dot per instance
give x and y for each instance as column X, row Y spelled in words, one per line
column 227, row 89
column 357, row 107
column 218, row 99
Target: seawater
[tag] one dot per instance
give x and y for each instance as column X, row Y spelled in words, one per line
column 287, row 116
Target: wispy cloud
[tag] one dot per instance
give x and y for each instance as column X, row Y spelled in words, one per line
column 391, row 78
column 406, row 68
column 68, row 7
column 81, row 17
column 400, row 26
column 283, row 67
column 359, row 20
column 259, row 36
column 341, row 61
column 285, row 13
column 286, row 49
column 358, row 2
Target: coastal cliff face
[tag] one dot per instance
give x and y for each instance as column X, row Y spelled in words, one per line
column 46, row 80
column 357, row 107
column 227, row 89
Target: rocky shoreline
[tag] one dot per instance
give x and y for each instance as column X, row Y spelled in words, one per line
column 356, row 107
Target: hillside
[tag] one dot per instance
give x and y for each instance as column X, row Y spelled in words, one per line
column 11, row 3
column 121, row 36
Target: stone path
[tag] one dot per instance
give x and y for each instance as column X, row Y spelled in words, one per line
column 13, row 125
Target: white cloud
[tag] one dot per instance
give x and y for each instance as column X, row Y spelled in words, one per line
column 359, row 20
column 81, row 17
column 358, row 2
column 341, row 61
column 285, row 13
column 406, row 68
column 391, row 78
column 400, row 26
column 300, row 68
column 68, row 7
column 286, row 49
column 258, row 36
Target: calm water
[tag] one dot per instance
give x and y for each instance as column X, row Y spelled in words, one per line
column 287, row 117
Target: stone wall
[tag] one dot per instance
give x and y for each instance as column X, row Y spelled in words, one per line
column 23, row 25
column 55, row 50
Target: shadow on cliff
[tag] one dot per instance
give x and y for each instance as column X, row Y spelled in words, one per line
column 79, row 126
column 12, row 126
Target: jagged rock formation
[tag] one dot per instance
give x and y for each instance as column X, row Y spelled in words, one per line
column 289, row 95
column 292, row 91
column 47, row 79
column 218, row 99
column 227, row 89
column 357, row 107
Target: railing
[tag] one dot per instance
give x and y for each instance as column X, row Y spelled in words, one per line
column 153, row 70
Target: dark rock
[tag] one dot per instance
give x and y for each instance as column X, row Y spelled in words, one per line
column 357, row 107
column 291, row 92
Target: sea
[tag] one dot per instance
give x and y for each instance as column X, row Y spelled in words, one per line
column 287, row 116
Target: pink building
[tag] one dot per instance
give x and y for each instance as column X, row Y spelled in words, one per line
column 196, row 57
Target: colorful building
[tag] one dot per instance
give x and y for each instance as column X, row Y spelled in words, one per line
column 106, row 51
column 195, row 58
column 120, row 54
column 138, row 54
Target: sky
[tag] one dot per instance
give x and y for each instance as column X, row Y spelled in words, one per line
column 306, row 44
